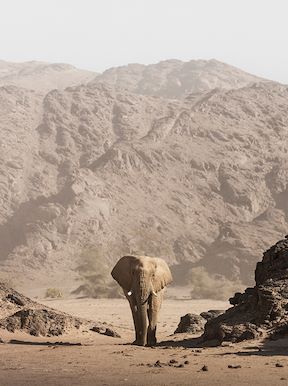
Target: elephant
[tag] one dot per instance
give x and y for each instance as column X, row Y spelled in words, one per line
column 143, row 280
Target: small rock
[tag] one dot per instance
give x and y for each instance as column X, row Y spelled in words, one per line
column 112, row 333
column 279, row 365
column 204, row 368
column 234, row 366
column 173, row 361
column 157, row 364
column 180, row 365
column 227, row 344
column 186, row 363
column 105, row 331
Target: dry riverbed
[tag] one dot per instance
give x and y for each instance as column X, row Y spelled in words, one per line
column 102, row 360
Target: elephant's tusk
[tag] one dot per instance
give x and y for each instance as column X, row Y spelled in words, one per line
column 154, row 293
column 129, row 293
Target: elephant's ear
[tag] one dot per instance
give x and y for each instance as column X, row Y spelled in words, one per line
column 122, row 272
column 162, row 276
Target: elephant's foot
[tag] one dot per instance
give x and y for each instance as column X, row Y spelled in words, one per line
column 151, row 342
column 138, row 343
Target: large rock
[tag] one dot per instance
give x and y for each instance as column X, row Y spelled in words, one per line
column 193, row 323
column 190, row 323
column 18, row 312
column 44, row 322
column 262, row 310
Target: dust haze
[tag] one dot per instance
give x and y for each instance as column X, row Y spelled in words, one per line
column 133, row 134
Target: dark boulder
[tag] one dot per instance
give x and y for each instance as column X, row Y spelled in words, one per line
column 261, row 310
column 211, row 314
column 190, row 323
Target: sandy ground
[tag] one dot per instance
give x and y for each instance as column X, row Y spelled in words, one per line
column 101, row 360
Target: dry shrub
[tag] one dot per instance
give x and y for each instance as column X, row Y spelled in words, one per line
column 54, row 293
column 211, row 286
column 96, row 277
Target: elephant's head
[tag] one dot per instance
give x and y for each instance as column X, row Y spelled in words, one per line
column 141, row 276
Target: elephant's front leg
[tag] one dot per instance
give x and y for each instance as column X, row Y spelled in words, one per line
column 155, row 303
column 133, row 306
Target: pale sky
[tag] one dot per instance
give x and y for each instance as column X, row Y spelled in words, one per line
column 98, row 34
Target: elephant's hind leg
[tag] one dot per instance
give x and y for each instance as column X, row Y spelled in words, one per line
column 155, row 303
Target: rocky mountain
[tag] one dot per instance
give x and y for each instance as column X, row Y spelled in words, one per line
column 42, row 76
column 176, row 79
column 200, row 180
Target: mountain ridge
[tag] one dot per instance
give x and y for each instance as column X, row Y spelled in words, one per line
column 197, row 181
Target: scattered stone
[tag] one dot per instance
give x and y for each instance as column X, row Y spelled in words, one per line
column 180, row 365
column 234, row 366
column 279, row 365
column 204, row 368
column 227, row 344
column 105, row 331
column 186, row 363
column 112, row 333
column 173, row 361
column 157, row 364
column 190, row 323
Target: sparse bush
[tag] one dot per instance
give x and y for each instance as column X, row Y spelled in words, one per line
column 95, row 274
column 53, row 293
column 211, row 286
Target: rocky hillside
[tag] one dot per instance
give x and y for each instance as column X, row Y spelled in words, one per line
column 41, row 76
column 199, row 181
column 176, row 79
column 19, row 313
column 261, row 311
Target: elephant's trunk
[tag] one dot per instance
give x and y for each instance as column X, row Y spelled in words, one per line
column 145, row 289
column 142, row 318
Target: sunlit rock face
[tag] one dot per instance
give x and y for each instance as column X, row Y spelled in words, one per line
column 199, row 181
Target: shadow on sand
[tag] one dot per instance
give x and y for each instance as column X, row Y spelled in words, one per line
column 274, row 345
column 196, row 342
column 33, row 343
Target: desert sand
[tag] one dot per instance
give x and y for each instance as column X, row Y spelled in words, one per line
column 102, row 360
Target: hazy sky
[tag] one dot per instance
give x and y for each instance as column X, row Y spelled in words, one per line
column 97, row 34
